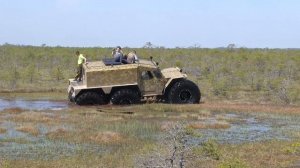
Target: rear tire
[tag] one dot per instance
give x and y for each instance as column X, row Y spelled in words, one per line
column 184, row 92
column 91, row 98
column 125, row 96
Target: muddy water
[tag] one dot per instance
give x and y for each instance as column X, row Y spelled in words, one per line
column 32, row 105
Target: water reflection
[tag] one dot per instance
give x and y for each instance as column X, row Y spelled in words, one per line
column 32, row 105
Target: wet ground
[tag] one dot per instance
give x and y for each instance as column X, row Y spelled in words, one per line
column 240, row 128
column 32, row 104
column 245, row 128
column 18, row 145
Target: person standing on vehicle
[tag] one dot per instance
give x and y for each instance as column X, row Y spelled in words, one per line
column 81, row 60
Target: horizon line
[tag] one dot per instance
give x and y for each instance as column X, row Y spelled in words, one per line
column 153, row 47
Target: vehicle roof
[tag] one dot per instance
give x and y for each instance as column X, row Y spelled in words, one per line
column 108, row 64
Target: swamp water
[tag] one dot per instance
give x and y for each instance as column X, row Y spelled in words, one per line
column 243, row 128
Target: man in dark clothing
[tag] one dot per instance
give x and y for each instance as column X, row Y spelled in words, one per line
column 118, row 54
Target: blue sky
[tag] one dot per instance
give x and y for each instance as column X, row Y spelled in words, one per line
column 172, row 23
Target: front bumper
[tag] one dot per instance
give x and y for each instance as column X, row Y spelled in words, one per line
column 71, row 91
column 71, row 94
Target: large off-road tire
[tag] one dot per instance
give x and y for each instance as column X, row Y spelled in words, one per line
column 91, row 98
column 184, row 92
column 125, row 96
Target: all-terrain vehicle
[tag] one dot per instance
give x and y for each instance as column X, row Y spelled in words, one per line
column 108, row 81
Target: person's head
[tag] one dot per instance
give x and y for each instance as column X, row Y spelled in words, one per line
column 77, row 53
column 134, row 51
column 118, row 48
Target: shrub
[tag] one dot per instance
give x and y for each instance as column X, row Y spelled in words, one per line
column 234, row 163
column 210, row 149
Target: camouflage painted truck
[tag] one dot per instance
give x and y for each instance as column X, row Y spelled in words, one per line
column 107, row 81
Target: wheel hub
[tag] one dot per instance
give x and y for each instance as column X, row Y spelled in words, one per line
column 185, row 95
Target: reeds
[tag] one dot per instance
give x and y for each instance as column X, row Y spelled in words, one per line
column 29, row 128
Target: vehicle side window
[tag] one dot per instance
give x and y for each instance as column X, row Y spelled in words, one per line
column 146, row 75
column 157, row 74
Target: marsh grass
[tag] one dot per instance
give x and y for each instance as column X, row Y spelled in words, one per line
column 163, row 108
column 166, row 125
column 82, row 161
column 107, row 137
column 93, row 127
column 260, row 154
column 29, row 128
column 211, row 149
column 265, row 154
column 252, row 75
column 121, row 134
column 127, row 132
column 15, row 140
column 250, row 107
column 57, row 133
column 294, row 148
column 2, row 130
column 34, row 94
column 235, row 120
column 13, row 110
column 233, row 163
column 217, row 125
column 36, row 117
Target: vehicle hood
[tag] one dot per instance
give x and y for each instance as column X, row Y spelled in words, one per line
column 173, row 73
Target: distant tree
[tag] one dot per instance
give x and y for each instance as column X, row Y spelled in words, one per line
column 7, row 44
column 230, row 47
column 197, row 45
column 148, row 45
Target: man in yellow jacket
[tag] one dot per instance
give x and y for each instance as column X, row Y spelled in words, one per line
column 81, row 60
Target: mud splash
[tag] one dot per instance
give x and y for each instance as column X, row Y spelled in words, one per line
column 32, row 105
